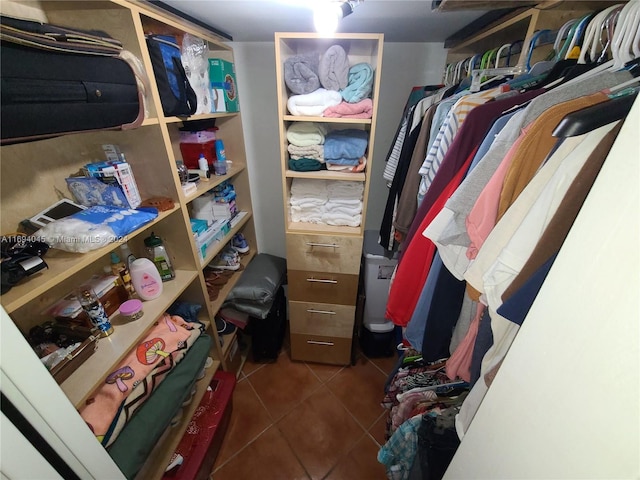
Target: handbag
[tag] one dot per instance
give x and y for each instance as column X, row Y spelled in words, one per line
column 176, row 94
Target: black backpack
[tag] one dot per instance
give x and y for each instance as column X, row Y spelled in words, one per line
column 176, row 94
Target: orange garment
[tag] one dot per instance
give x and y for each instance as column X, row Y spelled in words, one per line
column 536, row 146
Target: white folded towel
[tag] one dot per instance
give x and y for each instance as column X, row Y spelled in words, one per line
column 313, row 104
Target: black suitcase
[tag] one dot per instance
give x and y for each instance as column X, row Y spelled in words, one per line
column 267, row 334
column 56, row 80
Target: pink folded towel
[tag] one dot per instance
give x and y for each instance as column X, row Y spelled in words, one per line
column 361, row 109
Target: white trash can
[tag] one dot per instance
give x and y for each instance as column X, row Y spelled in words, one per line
column 378, row 271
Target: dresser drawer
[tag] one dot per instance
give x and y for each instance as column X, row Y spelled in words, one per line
column 322, row 287
column 321, row 349
column 321, row 319
column 324, row 253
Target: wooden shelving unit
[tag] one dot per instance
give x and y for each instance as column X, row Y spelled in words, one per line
column 33, row 177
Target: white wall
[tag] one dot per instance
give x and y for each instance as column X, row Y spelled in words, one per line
column 404, row 65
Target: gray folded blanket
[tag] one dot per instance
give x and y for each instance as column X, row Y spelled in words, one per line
column 334, row 68
column 301, row 73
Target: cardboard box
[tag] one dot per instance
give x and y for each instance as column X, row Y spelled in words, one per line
column 117, row 174
column 224, row 88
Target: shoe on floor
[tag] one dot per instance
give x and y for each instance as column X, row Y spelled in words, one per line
column 239, row 243
column 223, row 327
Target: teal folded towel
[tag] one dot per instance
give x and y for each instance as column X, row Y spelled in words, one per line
column 360, row 83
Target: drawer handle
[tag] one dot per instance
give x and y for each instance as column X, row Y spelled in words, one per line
column 324, row 312
column 314, row 342
column 326, row 245
column 320, row 280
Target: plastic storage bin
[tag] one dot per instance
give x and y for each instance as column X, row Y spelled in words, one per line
column 377, row 333
column 377, row 278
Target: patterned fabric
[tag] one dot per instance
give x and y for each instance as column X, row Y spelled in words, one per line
column 398, row 453
column 143, row 389
column 169, row 334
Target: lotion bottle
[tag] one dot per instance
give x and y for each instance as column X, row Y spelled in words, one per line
column 146, row 279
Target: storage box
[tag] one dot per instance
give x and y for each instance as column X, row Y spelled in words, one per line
column 213, row 234
column 69, row 334
column 117, row 174
column 200, row 445
column 192, row 144
column 224, row 90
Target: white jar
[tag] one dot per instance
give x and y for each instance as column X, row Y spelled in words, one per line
column 145, row 279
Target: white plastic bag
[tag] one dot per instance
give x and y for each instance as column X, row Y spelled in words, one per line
column 195, row 60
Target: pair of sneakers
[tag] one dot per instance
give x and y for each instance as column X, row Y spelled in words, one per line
column 239, row 243
column 227, row 259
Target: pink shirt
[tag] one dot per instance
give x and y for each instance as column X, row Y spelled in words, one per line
column 483, row 216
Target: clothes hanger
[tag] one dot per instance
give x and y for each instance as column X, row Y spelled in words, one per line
column 500, row 50
column 608, row 25
column 625, row 19
column 562, row 32
column 540, row 66
column 576, row 41
column 596, row 116
column 590, row 43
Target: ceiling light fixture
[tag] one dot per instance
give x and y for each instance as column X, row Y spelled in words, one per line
column 327, row 15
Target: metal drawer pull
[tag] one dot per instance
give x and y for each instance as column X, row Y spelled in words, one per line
column 327, row 245
column 324, row 312
column 313, row 342
column 319, row 280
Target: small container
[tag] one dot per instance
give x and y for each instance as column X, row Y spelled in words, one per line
column 131, row 310
column 203, row 164
column 157, row 253
column 220, row 165
column 146, row 279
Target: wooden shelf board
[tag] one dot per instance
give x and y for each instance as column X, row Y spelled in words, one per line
column 205, row 186
column 327, row 175
column 214, row 249
column 201, row 117
column 61, row 266
column 226, row 288
column 315, row 228
column 299, row 118
column 112, row 349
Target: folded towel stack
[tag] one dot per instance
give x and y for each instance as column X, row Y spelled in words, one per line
column 326, row 202
column 301, row 73
column 346, row 148
column 314, row 152
column 306, row 133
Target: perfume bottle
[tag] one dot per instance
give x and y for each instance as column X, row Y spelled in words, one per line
column 91, row 304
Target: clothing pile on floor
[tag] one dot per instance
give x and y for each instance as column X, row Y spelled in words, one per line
column 329, row 202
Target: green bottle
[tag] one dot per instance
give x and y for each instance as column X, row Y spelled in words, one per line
column 157, row 253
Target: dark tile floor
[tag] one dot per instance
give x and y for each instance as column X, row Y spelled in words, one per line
column 296, row 420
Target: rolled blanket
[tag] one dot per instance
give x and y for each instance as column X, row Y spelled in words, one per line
column 360, row 83
column 361, row 109
column 312, row 151
column 303, row 134
column 301, row 73
column 348, row 143
column 313, row 104
column 333, row 70
column 305, row 165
